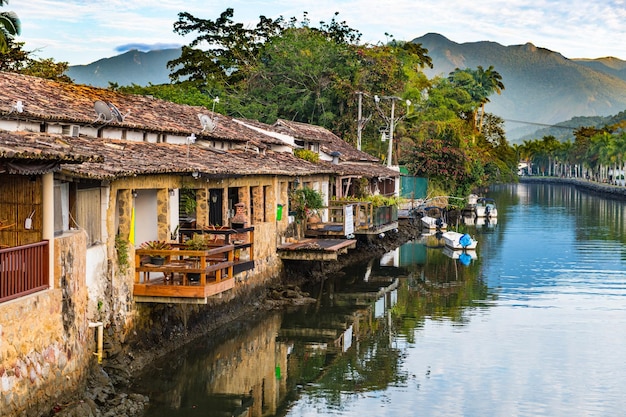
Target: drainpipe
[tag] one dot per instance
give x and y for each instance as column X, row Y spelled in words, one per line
column 47, row 232
column 100, row 327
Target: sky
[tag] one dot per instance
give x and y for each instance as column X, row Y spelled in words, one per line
column 83, row 31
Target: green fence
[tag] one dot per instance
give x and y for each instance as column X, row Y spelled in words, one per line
column 413, row 187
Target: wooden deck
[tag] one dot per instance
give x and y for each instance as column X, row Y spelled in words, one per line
column 185, row 276
column 315, row 249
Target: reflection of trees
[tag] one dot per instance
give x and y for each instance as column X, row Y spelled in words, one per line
column 370, row 364
column 588, row 211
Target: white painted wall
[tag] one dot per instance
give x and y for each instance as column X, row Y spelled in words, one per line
column 145, row 216
column 96, row 269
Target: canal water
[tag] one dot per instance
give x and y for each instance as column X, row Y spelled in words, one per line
column 531, row 324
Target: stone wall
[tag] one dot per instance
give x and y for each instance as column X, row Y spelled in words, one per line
column 46, row 345
column 591, row 186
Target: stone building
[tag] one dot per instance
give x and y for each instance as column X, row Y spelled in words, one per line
column 108, row 172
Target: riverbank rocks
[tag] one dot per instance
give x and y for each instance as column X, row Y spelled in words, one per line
column 101, row 399
column 287, row 295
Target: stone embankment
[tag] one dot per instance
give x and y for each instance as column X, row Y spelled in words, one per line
column 604, row 189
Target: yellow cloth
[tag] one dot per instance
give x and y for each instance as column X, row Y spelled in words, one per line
column 131, row 234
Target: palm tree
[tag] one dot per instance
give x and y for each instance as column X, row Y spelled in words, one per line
column 9, row 27
column 491, row 82
column 480, row 84
column 599, row 151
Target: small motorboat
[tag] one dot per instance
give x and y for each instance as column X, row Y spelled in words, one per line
column 459, row 241
column 486, row 207
column 433, row 223
column 432, row 219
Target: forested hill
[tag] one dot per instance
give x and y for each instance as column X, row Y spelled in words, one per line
column 132, row 67
column 541, row 86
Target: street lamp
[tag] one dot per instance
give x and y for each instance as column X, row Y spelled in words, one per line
column 391, row 121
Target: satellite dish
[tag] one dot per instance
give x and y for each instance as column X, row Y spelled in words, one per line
column 103, row 111
column 208, row 125
column 107, row 112
column 115, row 112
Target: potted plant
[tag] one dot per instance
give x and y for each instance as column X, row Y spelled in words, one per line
column 156, row 245
column 197, row 242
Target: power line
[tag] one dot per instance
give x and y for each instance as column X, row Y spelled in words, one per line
column 543, row 124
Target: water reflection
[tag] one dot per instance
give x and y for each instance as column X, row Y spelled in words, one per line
column 530, row 326
column 343, row 343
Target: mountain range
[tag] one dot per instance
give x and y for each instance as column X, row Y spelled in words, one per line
column 542, row 87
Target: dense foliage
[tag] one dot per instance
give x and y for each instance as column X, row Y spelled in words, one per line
column 290, row 69
column 596, row 153
column 286, row 68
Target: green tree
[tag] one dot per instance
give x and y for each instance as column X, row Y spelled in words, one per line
column 10, row 27
column 480, row 84
column 48, row 69
column 299, row 77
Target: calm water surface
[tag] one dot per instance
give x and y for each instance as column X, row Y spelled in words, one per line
column 534, row 326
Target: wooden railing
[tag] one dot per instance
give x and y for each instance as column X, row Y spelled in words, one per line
column 183, row 273
column 24, row 270
column 241, row 238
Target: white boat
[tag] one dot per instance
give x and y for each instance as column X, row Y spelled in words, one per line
column 459, row 241
column 432, row 219
column 486, row 207
column 433, row 223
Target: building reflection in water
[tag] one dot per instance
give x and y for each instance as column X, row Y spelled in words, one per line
column 341, row 343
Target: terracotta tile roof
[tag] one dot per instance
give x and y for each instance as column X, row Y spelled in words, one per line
column 39, row 147
column 363, row 169
column 74, row 104
column 329, row 142
column 70, row 103
column 124, row 158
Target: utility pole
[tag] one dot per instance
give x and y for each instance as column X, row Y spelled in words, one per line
column 391, row 121
column 360, row 123
column 390, row 152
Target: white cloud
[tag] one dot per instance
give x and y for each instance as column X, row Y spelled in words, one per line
column 81, row 31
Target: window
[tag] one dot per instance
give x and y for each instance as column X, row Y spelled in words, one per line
column 61, row 207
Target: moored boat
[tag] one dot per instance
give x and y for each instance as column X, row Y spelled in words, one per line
column 486, row 207
column 433, row 223
column 432, row 219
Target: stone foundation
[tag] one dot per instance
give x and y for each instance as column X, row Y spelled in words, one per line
column 46, row 345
